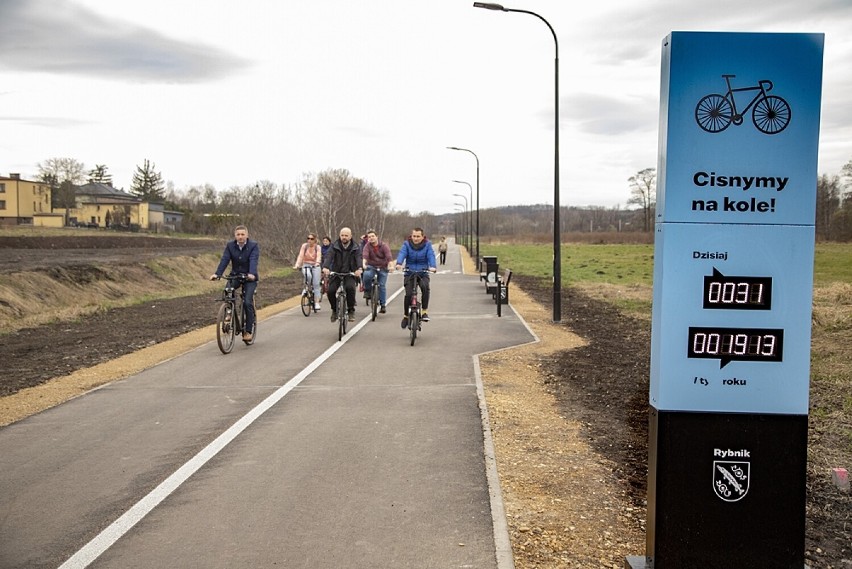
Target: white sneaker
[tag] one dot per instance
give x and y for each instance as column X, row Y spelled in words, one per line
column 317, row 306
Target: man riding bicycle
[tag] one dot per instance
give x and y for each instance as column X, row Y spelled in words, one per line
column 377, row 258
column 243, row 254
column 344, row 256
column 417, row 255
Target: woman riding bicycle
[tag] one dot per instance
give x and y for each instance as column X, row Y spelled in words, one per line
column 243, row 254
column 377, row 259
column 417, row 255
column 310, row 261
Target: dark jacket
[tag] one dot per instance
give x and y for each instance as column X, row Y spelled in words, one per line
column 342, row 259
column 244, row 261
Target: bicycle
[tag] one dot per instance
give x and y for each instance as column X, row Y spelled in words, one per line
column 231, row 316
column 414, row 308
column 309, row 301
column 342, row 307
column 771, row 114
column 373, row 289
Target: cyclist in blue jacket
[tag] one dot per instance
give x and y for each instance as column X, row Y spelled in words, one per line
column 243, row 254
column 417, row 255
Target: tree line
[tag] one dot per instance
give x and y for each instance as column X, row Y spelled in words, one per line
column 281, row 215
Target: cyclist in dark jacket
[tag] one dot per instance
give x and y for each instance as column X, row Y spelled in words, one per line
column 243, row 254
column 344, row 256
column 418, row 255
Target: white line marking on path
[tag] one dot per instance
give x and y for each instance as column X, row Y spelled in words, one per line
column 112, row 533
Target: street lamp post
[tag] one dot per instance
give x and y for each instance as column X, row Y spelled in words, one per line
column 477, row 195
column 466, row 210
column 470, row 215
column 463, row 214
column 557, row 253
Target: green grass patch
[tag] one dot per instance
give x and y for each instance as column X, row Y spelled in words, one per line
column 633, row 264
column 832, row 263
column 620, row 264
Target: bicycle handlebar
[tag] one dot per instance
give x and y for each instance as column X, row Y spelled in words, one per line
column 239, row 276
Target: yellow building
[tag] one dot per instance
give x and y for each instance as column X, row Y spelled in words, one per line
column 101, row 205
column 22, row 200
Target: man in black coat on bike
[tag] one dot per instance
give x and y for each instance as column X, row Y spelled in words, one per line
column 344, row 256
column 243, row 254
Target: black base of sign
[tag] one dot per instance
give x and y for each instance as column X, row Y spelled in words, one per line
column 725, row 490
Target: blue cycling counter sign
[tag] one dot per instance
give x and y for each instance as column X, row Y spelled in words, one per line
column 731, row 313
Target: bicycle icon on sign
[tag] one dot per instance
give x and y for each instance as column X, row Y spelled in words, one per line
column 770, row 114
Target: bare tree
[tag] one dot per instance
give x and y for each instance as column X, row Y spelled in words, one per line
column 643, row 192
column 62, row 174
column 827, row 204
column 846, row 180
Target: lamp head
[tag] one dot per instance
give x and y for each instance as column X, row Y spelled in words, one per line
column 489, row 6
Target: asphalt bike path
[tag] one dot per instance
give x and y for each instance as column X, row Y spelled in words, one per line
column 297, row 451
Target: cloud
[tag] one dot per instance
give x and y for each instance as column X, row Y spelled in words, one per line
column 49, row 122
column 603, row 115
column 59, row 37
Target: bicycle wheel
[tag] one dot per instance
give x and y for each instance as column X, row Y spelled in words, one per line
column 413, row 325
column 374, row 302
column 714, row 113
column 225, row 328
column 771, row 115
column 307, row 304
column 341, row 317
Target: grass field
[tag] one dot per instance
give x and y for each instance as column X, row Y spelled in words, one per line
column 633, row 265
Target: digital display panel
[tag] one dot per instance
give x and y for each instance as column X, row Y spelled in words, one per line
column 737, row 293
column 740, row 344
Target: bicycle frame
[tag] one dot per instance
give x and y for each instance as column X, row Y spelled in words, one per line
column 342, row 305
column 761, row 87
column 373, row 288
column 414, row 307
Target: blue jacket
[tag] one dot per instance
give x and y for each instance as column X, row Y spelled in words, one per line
column 244, row 261
column 417, row 257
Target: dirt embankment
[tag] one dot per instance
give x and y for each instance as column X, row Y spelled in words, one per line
column 27, row 253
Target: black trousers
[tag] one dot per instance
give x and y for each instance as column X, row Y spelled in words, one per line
column 409, row 291
column 350, row 286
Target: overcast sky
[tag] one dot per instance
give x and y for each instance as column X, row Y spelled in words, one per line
column 230, row 93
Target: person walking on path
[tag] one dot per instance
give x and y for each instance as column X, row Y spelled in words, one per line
column 442, row 250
